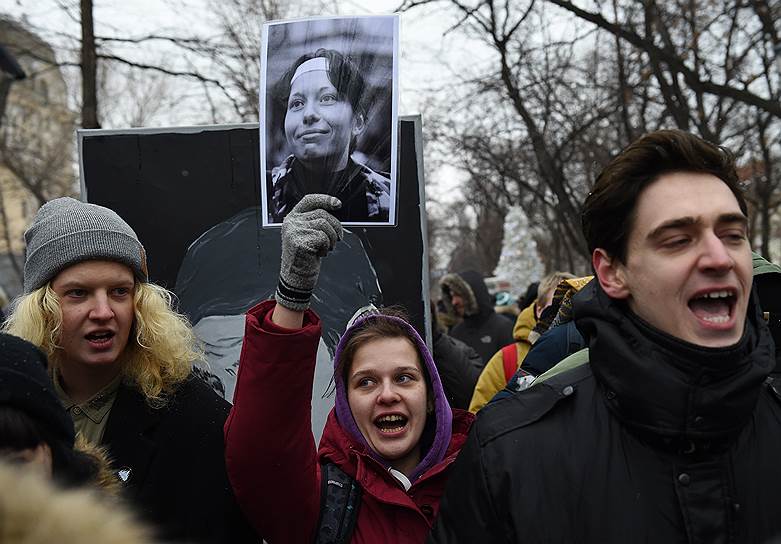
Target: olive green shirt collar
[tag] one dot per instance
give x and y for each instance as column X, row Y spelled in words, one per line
column 90, row 417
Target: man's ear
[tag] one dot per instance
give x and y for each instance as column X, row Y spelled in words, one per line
column 611, row 274
column 359, row 124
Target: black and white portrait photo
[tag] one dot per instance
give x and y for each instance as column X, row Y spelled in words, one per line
column 328, row 116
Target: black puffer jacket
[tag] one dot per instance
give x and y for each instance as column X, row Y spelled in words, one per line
column 482, row 328
column 459, row 367
column 656, row 440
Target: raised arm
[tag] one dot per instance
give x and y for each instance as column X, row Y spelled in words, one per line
column 270, row 452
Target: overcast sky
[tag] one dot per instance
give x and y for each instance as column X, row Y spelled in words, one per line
column 427, row 54
column 428, row 59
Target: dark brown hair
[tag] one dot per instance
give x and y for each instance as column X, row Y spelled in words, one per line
column 609, row 209
column 373, row 329
column 343, row 74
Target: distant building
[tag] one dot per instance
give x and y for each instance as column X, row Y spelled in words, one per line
column 37, row 152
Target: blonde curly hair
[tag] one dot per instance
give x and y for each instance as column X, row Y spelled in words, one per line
column 160, row 352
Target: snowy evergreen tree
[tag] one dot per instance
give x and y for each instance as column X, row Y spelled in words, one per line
column 519, row 262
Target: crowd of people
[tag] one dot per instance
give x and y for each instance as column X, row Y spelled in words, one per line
column 637, row 404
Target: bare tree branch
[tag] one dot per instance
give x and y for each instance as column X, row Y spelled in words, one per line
column 674, row 63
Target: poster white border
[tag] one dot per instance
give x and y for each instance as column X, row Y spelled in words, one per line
column 393, row 126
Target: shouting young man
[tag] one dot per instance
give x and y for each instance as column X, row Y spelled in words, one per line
column 670, row 432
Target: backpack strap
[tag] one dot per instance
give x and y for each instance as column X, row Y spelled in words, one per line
column 577, row 359
column 510, row 361
column 340, row 497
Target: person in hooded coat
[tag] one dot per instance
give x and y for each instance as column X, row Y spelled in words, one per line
column 494, row 376
column 767, row 278
column 465, row 295
column 391, row 429
column 458, row 365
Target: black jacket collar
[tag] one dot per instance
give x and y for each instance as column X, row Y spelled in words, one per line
column 659, row 384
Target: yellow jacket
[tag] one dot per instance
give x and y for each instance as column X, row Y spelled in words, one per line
column 492, row 379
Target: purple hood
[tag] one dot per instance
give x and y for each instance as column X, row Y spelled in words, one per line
column 443, row 416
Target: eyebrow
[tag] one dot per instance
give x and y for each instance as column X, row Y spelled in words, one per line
column 83, row 284
column 689, row 221
column 397, row 369
column 320, row 90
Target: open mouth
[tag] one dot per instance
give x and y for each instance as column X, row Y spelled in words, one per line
column 391, row 423
column 100, row 338
column 715, row 307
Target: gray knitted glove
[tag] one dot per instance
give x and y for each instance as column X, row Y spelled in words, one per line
column 309, row 232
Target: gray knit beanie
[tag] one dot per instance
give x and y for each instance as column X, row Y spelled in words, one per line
column 65, row 232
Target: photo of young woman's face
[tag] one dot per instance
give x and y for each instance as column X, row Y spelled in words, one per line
column 320, row 123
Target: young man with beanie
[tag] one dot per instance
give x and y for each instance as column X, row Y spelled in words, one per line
column 121, row 363
column 671, row 430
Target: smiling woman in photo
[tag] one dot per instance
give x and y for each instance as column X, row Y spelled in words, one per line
column 323, row 95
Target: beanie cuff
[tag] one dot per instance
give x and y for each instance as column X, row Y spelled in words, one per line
column 51, row 258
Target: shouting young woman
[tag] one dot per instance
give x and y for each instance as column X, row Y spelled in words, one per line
column 388, row 445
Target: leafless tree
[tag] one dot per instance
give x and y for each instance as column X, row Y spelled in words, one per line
column 222, row 66
column 713, row 67
column 555, row 106
column 699, row 49
column 535, row 145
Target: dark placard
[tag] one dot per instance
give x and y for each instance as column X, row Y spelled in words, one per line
column 191, row 194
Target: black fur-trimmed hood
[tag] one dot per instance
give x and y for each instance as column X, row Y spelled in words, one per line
column 471, row 287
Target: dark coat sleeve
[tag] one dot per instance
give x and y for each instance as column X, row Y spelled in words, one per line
column 467, row 513
column 459, row 367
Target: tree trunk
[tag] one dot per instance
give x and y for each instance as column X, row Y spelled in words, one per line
column 767, row 184
column 89, row 69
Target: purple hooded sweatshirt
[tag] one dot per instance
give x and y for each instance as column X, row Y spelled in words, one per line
column 443, row 416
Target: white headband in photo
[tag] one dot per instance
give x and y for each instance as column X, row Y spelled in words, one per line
column 312, row 65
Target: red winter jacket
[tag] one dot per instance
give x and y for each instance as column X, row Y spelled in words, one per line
column 271, row 457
